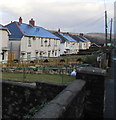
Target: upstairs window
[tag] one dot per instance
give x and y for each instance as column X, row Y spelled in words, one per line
column 49, row 43
column 34, row 38
column 46, row 43
column 29, row 42
column 41, row 42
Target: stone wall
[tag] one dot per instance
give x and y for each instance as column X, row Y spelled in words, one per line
column 68, row 104
column 19, row 98
column 95, row 78
column 83, row 99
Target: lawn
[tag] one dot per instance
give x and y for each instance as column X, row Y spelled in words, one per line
column 27, row 77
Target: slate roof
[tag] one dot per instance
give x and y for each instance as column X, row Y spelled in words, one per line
column 79, row 38
column 64, row 37
column 84, row 38
column 75, row 37
column 94, row 44
column 1, row 27
column 60, row 36
column 4, row 28
column 19, row 30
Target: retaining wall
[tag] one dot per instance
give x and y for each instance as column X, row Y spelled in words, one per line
column 95, row 80
column 83, row 99
column 19, row 98
column 68, row 104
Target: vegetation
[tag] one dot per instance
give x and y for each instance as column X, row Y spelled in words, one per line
column 24, row 77
column 90, row 60
column 33, row 110
column 28, row 73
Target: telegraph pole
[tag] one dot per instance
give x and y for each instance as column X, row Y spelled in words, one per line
column 106, row 29
column 111, row 31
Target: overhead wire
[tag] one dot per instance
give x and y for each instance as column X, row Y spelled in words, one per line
column 105, row 5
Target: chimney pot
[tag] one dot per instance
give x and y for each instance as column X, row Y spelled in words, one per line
column 81, row 34
column 59, row 30
column 20, row 20
column 32, row 22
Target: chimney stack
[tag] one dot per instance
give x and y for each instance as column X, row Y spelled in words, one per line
column 81, row 34
column 20, row 20
column 32, row 22
column 59, row 30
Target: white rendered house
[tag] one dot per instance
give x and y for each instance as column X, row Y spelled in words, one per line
column 4, row 38
column 68, row 45
column 28, row 41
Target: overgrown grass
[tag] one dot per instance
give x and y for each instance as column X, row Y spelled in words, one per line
column 33, row 110
column 27, row 77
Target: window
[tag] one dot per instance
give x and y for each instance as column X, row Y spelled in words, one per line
column 3, row 56
column 53, row 52
column 29, row 42
column 41, row 42
column 46, row 43
column 36, row 54
column 56, row 53
column 49, row 42
column 29, row 55
column 34, row 38
column 49, row 53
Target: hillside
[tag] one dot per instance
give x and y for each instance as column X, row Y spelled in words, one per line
column 98, row 38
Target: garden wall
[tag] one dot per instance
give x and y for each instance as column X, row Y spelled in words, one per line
column 95, row 87
column 82, row 99
column 68, row 104
column 19, row 98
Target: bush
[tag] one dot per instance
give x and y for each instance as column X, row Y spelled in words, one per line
column 90, row 60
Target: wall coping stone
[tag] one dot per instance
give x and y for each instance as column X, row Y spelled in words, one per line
column 58, row 105
column 22, row 84
column 92, row 70
column 50, row 83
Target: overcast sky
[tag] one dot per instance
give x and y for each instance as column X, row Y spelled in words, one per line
column 68, row 15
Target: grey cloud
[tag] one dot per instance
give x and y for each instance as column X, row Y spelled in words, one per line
column 70, row 15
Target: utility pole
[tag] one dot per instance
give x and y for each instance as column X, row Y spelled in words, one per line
column 111, row 30
column 106, row 28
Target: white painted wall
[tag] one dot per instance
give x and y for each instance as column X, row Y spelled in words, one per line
column 4, row 45
column 84, row 45
column 69, row 48
column 45, row 47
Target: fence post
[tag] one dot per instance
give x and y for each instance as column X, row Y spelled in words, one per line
column 62, row 75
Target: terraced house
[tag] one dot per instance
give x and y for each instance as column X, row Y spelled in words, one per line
column 84, row 43
column 28, row 41
column 4, row 38
column 68, row 44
